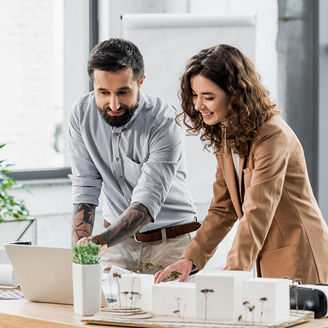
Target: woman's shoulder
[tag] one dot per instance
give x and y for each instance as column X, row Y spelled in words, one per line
column 276, row 125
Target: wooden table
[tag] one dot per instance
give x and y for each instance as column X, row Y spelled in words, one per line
column 24, row 314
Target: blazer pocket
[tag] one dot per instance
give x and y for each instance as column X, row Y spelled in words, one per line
column 132, row 171
column 281, row 262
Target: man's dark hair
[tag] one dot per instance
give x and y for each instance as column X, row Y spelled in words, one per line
column 116, row 54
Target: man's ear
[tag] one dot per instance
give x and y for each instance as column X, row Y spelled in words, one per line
column 141, row 81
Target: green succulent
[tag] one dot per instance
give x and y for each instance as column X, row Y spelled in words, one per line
column 86, row 253
column 10, row 207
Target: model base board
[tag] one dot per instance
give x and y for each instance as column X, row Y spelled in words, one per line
column 155, row 321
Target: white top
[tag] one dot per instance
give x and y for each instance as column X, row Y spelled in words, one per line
column 235, row 158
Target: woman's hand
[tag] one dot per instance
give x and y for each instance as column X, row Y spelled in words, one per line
column 184, row 266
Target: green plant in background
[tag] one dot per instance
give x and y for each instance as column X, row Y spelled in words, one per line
column 10, row 207
column 86, row 253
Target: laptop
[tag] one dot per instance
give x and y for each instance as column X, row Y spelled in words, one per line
column 44, row 273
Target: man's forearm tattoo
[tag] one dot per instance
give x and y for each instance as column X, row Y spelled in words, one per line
column 131, row 220
column 83, row 220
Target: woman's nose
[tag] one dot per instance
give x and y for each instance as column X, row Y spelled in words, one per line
column 198, row 104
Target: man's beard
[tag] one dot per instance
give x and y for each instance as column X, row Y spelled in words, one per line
column 118, row 120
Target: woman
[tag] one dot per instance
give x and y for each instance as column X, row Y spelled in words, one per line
column 261, row 177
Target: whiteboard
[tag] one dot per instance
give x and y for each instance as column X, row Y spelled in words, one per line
column 166, row 42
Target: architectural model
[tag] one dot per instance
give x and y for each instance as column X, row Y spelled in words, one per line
column 215, row 297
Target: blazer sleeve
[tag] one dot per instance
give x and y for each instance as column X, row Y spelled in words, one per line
column 270, row 159
column 219, row 221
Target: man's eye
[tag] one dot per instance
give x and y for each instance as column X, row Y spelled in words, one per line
column 123, row 92
column 210, row 98
column 104, row 92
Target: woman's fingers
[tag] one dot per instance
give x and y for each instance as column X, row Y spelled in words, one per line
column 184, row 266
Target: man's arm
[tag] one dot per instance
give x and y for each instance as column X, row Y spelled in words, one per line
column 83, row 220
column 131, row 220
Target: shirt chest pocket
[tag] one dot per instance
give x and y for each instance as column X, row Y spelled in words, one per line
column 132, row 171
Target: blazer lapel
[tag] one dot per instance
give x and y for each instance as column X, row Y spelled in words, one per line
column 240, row 178
column 230, row 179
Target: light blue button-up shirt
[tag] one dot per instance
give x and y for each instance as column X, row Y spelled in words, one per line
column 141, row 161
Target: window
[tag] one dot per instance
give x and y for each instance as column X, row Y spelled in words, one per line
column 45, row 44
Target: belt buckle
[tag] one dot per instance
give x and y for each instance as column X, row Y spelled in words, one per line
column 135, row 238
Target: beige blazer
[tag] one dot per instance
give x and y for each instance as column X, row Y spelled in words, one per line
column 280, row 224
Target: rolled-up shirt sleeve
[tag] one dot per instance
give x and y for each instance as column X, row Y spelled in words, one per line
column 165, row 151
column 86, row 180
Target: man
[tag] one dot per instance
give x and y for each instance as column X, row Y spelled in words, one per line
column 128, row 145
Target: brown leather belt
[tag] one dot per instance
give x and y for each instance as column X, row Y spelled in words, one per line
column 171, row 232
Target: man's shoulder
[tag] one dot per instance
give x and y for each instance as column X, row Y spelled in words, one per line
column 84, row 101
column 157, row 108
column 83, row 104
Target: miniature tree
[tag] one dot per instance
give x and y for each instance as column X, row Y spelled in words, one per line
column 251, row 310
column 295, row 283
column 245, row 305
column 134, row 297
column 178, row 310
column 117, row 276
column 262, row 300
column 206, row 292
column 125, row 298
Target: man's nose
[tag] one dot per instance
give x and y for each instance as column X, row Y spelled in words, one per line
column 114, row 103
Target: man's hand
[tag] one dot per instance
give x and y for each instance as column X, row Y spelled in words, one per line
column 184, row 266
column 84, row 240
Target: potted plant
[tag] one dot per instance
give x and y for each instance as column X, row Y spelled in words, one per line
column 10, row 207
column 86, row 278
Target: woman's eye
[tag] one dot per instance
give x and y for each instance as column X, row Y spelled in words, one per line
column 211, row 98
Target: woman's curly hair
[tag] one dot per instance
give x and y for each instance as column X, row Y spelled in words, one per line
column 249, row 105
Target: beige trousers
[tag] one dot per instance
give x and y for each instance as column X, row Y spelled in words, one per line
column 146, row 257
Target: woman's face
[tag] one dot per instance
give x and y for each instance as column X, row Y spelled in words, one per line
column 209, row 99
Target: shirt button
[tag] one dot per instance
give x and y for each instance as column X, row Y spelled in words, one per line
column 117, row 158
column 121, row 177
column 115, row 134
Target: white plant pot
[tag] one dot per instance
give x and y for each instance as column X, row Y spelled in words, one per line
column 86, row 288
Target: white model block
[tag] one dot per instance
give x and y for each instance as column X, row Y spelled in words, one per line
column 276, row 306
column 219, row 294
column 175, row 298
column 137, row 283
